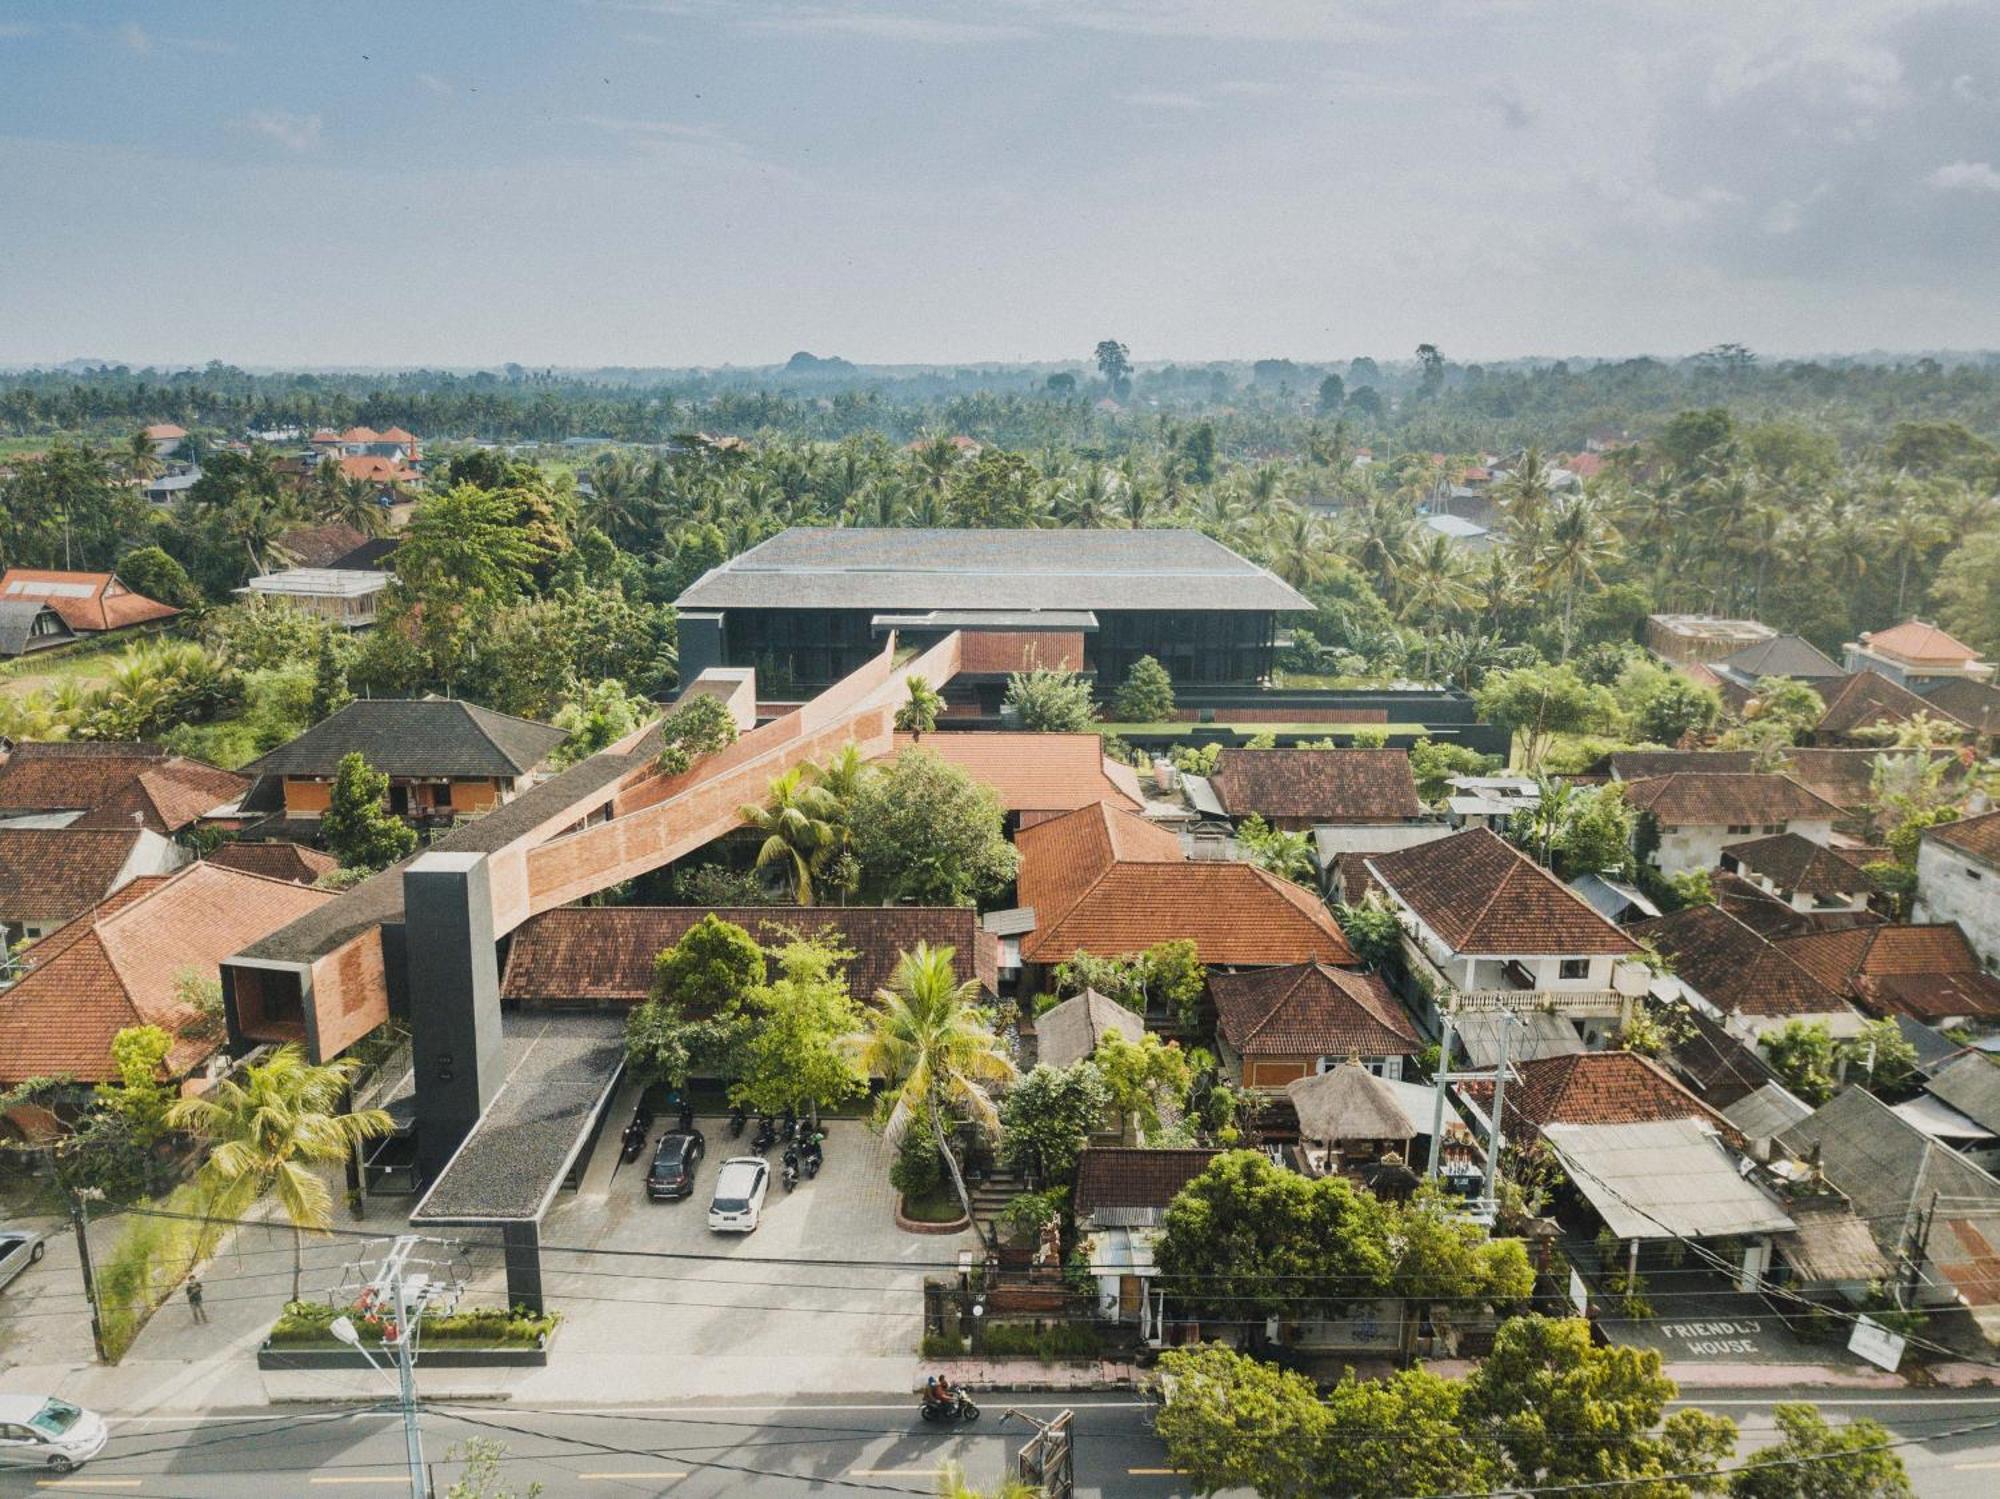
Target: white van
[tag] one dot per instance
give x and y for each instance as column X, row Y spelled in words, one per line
column 739, row 1195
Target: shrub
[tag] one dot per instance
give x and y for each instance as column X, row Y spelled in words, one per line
column 1021, row 1340
column 917, row 1170
column 941, row 1345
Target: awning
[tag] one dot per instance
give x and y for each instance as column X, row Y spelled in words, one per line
column 1662, row 1180
column 1542, row 1033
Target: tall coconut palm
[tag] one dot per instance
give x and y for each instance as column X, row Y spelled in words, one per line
column 1910, row 533
column 1578, row 545
column 1524, row 496
column 1437, row 588
column 267, row 1133
column 1297, row 542
column 797, row 821
column 1381, row 531
column 925, row 1036
column 139, row 457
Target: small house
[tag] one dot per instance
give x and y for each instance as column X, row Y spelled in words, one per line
column 1277, row 1025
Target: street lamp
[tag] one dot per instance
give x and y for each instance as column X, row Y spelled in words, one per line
column 343, row 1329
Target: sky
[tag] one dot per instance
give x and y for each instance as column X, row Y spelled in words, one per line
column 706, row 182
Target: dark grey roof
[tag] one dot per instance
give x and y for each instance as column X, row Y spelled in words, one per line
column 560, row 1070
column 1781, row 656
column 371, row 556
column 1971, row 1085
column 431, row 736
column 17, row 618
column 1932, row 1046
column 914, row 569
column 377, row 899
column 988, row 619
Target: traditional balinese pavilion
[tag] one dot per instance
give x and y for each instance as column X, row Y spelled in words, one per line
column 1349, row 1117
column 1071, row 1031
column 505, row 1107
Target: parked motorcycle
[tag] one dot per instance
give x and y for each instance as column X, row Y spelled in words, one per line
column 687, row 1116
column 958, row 1408
column 791, row 1129
column 737, row 1119
column 791, row 1167
column 766, row 1136
column 813, row 1156
column 634, row 1143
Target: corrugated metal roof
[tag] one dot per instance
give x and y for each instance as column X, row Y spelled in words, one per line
column 1667, row 1179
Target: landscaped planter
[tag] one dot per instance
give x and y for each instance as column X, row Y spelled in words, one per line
column 909, row 1225
column 444, row 1356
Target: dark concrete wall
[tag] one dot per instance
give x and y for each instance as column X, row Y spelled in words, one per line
column 453, row 985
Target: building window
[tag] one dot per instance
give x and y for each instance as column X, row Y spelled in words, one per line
column 1739, row 827
column 441, row 796
column 1573, row 968
column 1974, row 875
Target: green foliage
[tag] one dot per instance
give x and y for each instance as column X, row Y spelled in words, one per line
column 1023, row 1219
column 1815, row 1460
column 797, row 1054
column 941, row 1345
column 329, row 688
column 596, row 716
column 1287, row 855
column 720, row 885
column 699, row 725
column 1803, row 1055
column 1666, row 706
column 1691, row 887
column 1168, row 975
column 357, row 827
column 1968, row 592
column 310, row 1323
column 1048, row 1116
column 918, row 1169
column 1366, row 738
column 1535, row 703
column 924, row 831
column 1595, row 835
column 154, row 1254
column 1371, row 929
column 1878, row 1057
column 1019, row 1340
column 149, row 570
column 1790, row 706
column 919, row 712
column 1051, row 700
column 1146, row 695
column 1197, row 760
column 481, row 1475
column 140, row 1098
column 695, row 1022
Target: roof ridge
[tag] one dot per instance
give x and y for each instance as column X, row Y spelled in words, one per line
column 1278, row 1002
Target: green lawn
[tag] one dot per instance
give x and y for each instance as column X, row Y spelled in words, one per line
column 87, row 666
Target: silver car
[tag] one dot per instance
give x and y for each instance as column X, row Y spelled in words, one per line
column 40, row 1431
column 19, row 1248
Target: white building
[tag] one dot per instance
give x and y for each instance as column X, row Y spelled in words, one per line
column 1958, row 879
column 1695, row 817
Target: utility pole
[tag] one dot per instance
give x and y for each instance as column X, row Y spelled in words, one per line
column 79, row 1218
column 1508, row 1020
column 407, row 1288
column 1437, row 1101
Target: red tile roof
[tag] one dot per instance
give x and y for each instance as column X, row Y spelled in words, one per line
column 1735, row 969
column 276, row 861
column 1310, row 1009
column 1134, row 1178
column 600, row 954
column 1104, row 881
column 1482, row 895
column 1723, row 800
column 372, row 468
column 50, row 874
column 1796, row 864
column 71, row 775
column 1868, row 699
column 119, row 965
column 167, row 797
column 165, row 431
column 1979, row 836
column 318, row 546
column 1929, row 972
column 1913, row 640
column 1594, row 1087
column 86, row 601
column 361, row 434
column 1337, row 785
column 1035, row 772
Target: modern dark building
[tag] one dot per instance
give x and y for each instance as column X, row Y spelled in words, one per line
column 809, row 606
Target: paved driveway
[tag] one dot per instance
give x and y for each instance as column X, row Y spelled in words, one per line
column 824, row 1296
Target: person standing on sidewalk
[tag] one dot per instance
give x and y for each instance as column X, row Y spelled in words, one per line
column 194, row 1298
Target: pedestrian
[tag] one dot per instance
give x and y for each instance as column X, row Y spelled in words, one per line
column 194, row 1298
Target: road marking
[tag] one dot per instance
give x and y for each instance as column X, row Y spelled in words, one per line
column 659, row 1474
column 401, row 1478
column 1904, row 1401
column 1157, row 1472
column 894, row 1472
column 1973, row 1467
column 88, row 1483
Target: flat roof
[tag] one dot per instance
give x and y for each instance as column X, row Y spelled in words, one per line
column 320, row 582
column 988, row 619
column 559, row 1073
column 913, row 569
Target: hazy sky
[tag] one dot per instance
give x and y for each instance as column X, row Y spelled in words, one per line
column 706, row 181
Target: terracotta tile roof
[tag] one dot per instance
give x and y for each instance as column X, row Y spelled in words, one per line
column 1718, row 1066
column 1868, row 698
column 1311, row 1009
column 276, row 861
column 1734, row 969
column 1844, row 777
column 86, row 601
column 1482, row 895
column 1929, row 972
column 1795, row 863
column 1124, row 1177
column 361, row 434
column 605, row 953
column 1682, row 800
column 1595, row 1087
column 51, row 874
column 71, row 775
column 163, row 431
column 397, row 434
column 1034, row 772
column 1108, row 882
column 1979, row 836
column 318, row 546
column 167, row 797
column 1338, row 785
column 1970, row 702
column 1913, row 640
column 372, row 468
column 118, row 966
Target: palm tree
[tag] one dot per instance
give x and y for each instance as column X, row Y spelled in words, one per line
column 935, row 459
column 1578, row 545
column 347, row 501
column 926, row 1037
column 139, row 457
column 1297, row 544
column 268, row 1132
column 1524, row 497
column 1382, row 529
column 1085, row 502
column 1910, row 533
column 797, row 821
column 1436, row 587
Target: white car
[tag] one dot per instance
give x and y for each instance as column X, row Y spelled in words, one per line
column 739, row 1194
column 19, row 1248
column 40, row 1431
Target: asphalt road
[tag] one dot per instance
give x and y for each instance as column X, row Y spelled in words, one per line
column 829, row 1446
column 833, row 1446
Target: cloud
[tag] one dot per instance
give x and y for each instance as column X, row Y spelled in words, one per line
column 436, row 85
column 11, row 29
column 1965, row 177
column 292, row 131
column 1515, row 112
column 133, row 35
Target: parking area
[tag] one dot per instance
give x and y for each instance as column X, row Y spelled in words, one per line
column 826, row 1276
